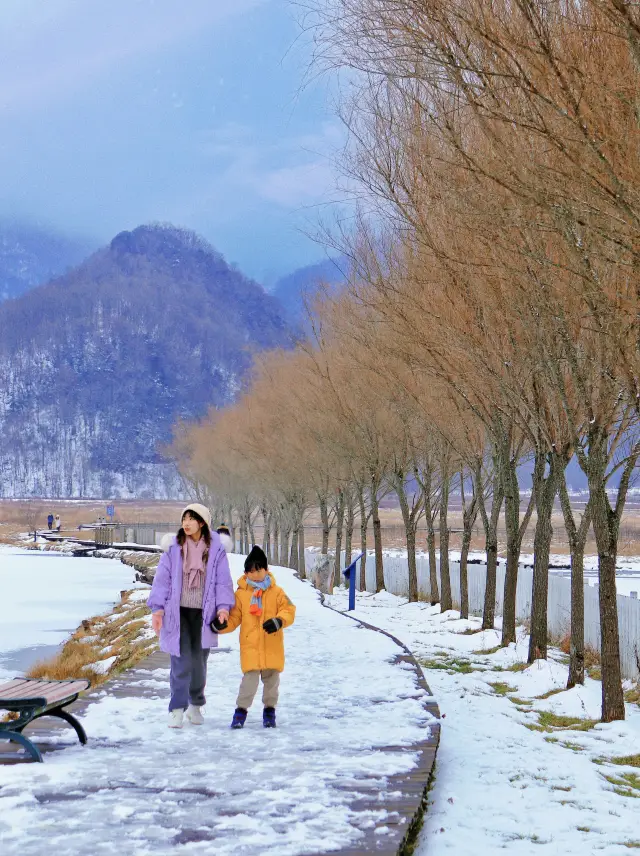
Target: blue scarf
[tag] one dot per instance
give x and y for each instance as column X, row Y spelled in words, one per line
column 255, row 607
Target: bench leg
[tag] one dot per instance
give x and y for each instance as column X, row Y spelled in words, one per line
column 64, row 714
column 16, row 737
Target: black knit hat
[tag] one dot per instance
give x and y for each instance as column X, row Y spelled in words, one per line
column 256, row 560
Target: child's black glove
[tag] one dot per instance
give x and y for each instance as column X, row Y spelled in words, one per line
column 217, row 625
column 272, row 625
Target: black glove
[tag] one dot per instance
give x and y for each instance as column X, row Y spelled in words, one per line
column 217, row 625
column 272, row 625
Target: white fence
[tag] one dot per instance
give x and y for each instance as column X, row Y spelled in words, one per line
column 396, row 580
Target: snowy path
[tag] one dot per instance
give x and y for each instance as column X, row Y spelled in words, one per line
column 500, row 785
column 316, row 784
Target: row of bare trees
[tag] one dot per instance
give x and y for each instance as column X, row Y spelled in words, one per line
column 492, row 306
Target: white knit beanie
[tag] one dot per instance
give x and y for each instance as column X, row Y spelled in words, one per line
column 200, row 510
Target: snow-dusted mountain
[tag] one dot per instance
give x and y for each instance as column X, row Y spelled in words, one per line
column 97, row 365
column 31, row 254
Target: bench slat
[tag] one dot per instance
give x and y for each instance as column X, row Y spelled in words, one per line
column 10, row 685
column 51, row 690
column 26, row 689
column 58, row 693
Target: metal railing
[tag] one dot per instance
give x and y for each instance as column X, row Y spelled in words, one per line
column 132, row 533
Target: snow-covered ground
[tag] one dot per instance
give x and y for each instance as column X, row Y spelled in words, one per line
column 499, row 784
column 142, row 787
column 44, row 598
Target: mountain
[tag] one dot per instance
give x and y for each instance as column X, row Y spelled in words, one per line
column 31, row 254
column 292, row 289
column 97, row 365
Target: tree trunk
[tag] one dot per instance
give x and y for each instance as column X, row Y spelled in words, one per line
column 605, row 528
column 545, row 493
column 434, row 594
column 293, row 556
column 377, row 536
column 512, row 521
column 337, row 572
column 265, row 533
column 433, row 563
column 577, row 539
column 284, row 545
column 302, row 565
column 348, row 541
column 576, row 645
column 446, row 602
column 464, row 582
column 364, row 519
column 324, row 517
column 275, row 538
column 409, row 534
column 469, row 512
column 252, row 534
column 490, row 524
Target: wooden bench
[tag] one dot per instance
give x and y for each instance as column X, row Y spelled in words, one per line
column 31, row 699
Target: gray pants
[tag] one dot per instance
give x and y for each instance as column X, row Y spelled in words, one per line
column 249, row 688
column 188, row 675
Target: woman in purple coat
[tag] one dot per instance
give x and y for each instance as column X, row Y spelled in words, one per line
column 192, row 586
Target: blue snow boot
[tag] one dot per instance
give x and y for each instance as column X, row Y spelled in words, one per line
column 269, row 717
column 239, row 718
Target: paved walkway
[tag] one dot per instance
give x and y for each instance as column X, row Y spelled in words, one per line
column 344, row 772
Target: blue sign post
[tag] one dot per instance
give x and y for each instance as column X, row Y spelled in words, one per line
column 350, row 574
column 111, row 511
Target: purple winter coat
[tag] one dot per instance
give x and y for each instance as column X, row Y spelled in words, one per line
column 166, row 592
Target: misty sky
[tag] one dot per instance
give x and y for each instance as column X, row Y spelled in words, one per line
column 120, row 112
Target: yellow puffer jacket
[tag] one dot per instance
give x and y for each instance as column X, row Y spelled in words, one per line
column 258, row 649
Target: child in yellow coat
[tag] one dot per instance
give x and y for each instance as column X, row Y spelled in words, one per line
column 262, row 610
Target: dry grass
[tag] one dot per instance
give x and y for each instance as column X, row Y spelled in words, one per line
column 632, row 696
column 625, row 785
column 625, row 760
column 550, row 693
column 551, row 722
column 591, row 657
column 10, row 535
column 15, row 513
column 517, row 667
column 153, row 511
column 98, row 639
column 502, row 689
column 483, row 651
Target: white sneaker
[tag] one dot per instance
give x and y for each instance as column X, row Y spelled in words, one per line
column 175, row 718
column 194, row 715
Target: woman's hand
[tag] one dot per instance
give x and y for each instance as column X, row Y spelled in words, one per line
column 156, row 622
column 223, row 615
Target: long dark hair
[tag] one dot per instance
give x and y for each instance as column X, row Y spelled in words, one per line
column 181, row 537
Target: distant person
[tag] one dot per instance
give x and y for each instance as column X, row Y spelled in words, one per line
column 262, row 610
column 50, row 522
column 225, row 538
column 57, row 523
column 191, row 588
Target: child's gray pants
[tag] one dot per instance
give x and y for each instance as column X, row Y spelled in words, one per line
column 188, row 675
column 249, row 688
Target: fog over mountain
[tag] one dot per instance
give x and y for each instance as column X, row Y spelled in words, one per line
column 31, row 254
column 292, row 289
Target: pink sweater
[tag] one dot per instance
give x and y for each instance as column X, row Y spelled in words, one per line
column 193, row 573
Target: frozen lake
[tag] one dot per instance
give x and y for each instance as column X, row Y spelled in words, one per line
column 45, row 596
